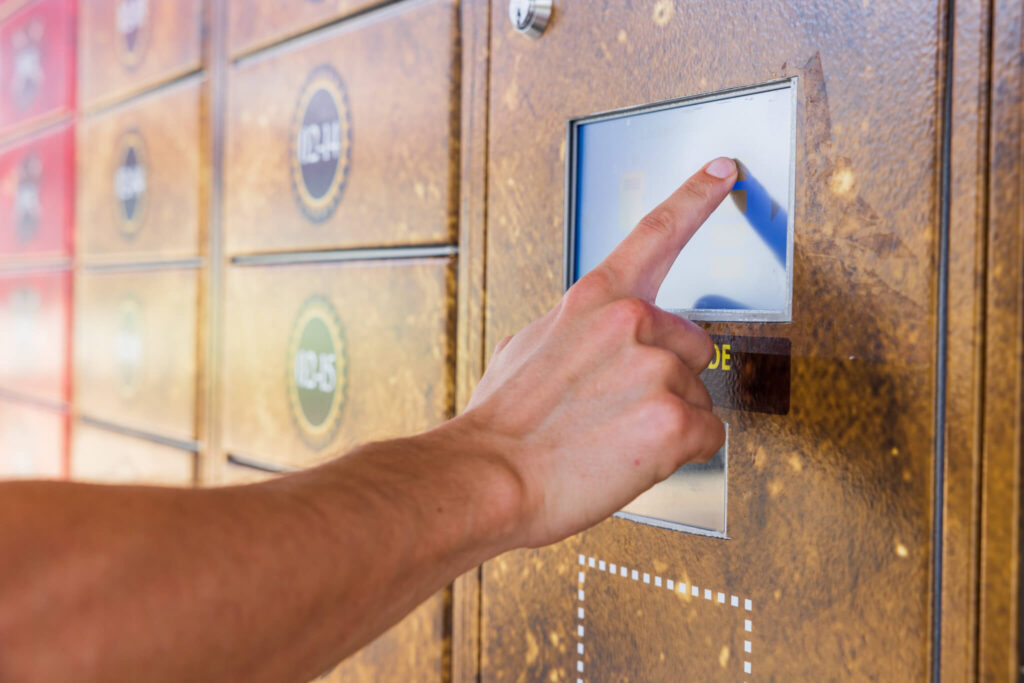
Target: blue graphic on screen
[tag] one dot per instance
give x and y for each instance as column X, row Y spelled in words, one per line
column 739, row 260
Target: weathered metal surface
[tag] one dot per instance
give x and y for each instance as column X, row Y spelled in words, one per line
column 125, row 46
column 381, row 367
column 102, row 456
column 252, row 25
column 140, row 179
column 35, row 331
column 383, row 158
column 829, row 506
column 33, row 441
column 999, row 621
column 135, row 349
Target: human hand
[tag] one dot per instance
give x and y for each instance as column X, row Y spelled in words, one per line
column 600, row 399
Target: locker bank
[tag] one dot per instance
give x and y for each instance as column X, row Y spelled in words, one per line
column 240, row 238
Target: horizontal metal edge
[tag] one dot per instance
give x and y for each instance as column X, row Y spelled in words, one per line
column 180, row 444
column 40, row 266
column 315, row 34
column 342, row 255
column 107, row 103
column 171, row 264
column 673, row 526
column 257, row 464
column 51, row 405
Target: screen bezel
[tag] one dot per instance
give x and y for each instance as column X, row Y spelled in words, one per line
column 720, row 315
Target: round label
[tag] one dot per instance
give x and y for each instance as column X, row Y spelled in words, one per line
column 128, row 346
column 317, row 372
column 27, row 207
column 321, row 144
column 130, row 184
column 131, row 18
column 27, row 73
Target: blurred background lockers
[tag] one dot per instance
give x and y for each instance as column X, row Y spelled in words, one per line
column 238, row 237
column 147, row 185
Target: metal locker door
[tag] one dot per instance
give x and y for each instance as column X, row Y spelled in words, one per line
column 825, row 571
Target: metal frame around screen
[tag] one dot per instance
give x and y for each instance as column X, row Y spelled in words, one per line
column 689, row 528
column 723, row 315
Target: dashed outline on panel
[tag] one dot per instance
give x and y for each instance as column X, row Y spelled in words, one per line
column 655, row 581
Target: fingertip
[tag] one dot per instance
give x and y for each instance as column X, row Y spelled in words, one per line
column 721, row 168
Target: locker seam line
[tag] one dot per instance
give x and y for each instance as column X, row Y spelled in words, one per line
column 942, row 324
column 193, row 446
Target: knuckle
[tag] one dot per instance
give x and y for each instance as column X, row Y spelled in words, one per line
column 715, row 440
column 667, row 416
column 629, row 313
column 592, row 287
column 505, row 341
column 661, row 221
column 695, row 190
column 662, row 364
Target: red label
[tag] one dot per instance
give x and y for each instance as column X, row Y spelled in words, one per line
column 36, row 197
column 35, row 314
column 37, row 63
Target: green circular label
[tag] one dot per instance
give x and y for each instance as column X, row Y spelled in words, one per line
column 317, row 367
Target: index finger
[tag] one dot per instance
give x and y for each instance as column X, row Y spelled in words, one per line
column 639, row 264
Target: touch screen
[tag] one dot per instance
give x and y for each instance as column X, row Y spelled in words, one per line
column 739, row 265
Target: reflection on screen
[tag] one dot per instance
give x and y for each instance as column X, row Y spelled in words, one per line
column 737, row 265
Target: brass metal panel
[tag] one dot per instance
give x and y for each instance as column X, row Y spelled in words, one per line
column 830, row 505
column 33, row 441
column 469, row 357
column 140, row 180
column 999, row 621
column 135, row 349
column 35, row 328
column 125, row 46
column 390, row 176
column 390, row 339
column 412, row 650
column 965, row 343
column 106, row 457
column 254, row 24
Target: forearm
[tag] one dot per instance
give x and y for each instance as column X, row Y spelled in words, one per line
column 275, row 582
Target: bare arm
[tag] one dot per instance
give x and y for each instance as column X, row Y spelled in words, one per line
column 577, row 414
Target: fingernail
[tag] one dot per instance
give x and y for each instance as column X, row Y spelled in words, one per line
column 722, row 167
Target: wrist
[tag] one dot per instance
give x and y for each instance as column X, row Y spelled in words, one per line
column 477, row 460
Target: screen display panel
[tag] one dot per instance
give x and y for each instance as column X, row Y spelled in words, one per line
column 739, row 265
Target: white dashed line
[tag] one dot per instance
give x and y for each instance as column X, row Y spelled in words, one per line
column 711, row 596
